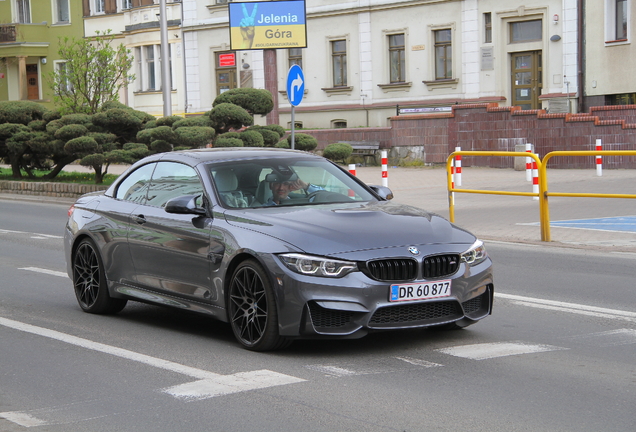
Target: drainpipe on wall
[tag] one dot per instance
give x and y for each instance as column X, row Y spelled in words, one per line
column 581, row 53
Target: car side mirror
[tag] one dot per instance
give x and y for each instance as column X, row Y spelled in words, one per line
column 186, row 204
column 383, row 191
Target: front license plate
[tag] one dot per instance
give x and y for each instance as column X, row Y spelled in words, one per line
column 420, row 291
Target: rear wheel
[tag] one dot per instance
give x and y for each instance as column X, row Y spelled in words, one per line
column 89, row 281
column 252, row 309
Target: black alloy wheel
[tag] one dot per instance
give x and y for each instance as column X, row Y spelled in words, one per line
column 252, row 309
column 89, row 281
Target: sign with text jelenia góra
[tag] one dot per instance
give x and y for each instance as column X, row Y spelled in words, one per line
column 267, row 25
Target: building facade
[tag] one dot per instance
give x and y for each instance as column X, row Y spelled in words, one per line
column 135, row 23
column 365, row 61
column 29, row 34
column 610, row 57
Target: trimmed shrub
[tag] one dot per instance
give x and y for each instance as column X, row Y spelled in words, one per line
column 338, row 151
column 254, row 101
column 81, row 145
column 161, row 146
column 252, row 139
column 193, row 121
column 228, row 142
column 70, row 131
column 276, row 128
column 303, row 142
column 168, row 121
column 194, row 136
column 228, row 116
column 282, row 144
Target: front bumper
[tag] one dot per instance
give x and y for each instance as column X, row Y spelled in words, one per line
column 354, row 305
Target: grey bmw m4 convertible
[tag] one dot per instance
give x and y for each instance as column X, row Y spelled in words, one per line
column 281, row 244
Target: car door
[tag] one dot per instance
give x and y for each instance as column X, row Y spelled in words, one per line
column 116, row 220
column 170, row 251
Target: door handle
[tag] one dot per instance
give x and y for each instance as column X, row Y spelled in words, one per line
column 140, row 219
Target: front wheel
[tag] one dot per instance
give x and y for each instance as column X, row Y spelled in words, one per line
column 252, row 309
column 89, row 281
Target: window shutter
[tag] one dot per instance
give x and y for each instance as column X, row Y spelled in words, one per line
column 86, row 7
column 110, row 6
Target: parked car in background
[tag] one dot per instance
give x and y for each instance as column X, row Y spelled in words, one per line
column 210, row 231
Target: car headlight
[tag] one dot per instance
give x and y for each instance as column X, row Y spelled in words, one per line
column 475, row 255
column 317, row 266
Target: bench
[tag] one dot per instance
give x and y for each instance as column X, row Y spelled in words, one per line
column 365, row 149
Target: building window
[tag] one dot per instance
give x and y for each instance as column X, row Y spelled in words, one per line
column 60, row 11
column 621, row 99
column 150, row 68
column 295, row 56
column 23, row 9
column 443, row 54
column 126, row 4
column 487, row 27
column 339, row 62
column 397, row 58
column 338, row 124
column 526, row 31
column 225, row 72
column 100, row 6
column 63, row 72
column 621, row 20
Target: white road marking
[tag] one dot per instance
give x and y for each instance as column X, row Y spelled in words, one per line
column 33, row 235
column 23, row 419
column 215, row 384
column 497, row 349
column 227, row 384
column 333, row 370
column 45, row 271
column 418, row 362
column 570, row 307
column 610, row 338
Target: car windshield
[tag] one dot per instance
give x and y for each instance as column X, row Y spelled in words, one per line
column 271, row 182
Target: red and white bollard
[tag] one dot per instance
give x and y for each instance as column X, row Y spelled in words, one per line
column 599, row 159
column 528, row 163
column 385, row 169
column 458, row 167
column 352, row 170
column 535, row 179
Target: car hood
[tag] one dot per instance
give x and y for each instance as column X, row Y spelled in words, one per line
column 339, row 228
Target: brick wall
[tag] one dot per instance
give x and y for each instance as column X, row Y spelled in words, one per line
column 491, row 127
column 51, row 189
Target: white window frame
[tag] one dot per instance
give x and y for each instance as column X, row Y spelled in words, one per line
column 100, row 6
column 55, row 8
column 126, row 4
column 61, row 64
column 143, row 66
column 18, row 17
column 610, row 23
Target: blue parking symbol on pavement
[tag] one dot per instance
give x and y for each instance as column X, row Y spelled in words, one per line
column 619, row 223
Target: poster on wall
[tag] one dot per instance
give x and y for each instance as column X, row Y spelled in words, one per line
column 267, row 25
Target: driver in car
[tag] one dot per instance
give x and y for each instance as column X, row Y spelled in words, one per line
column 280, row 190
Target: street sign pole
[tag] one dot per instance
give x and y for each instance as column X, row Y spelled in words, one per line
column 293, row 125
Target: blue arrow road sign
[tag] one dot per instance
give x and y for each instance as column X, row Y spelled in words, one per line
column 295, row 85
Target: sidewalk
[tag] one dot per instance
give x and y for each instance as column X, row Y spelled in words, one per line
column 511, row 218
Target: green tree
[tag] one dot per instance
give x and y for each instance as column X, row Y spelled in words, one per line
column 92, row 75
column 338, row 151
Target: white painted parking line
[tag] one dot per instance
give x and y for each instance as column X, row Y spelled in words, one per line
column 419, row 362
column 497, row 349
column 215, row 384
column 45, row 271
column 570, row 307
column 23, row 419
